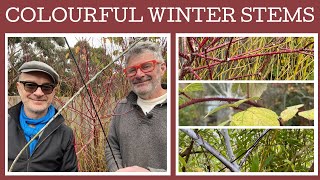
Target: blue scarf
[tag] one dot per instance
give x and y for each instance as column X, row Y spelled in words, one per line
column 29, row 132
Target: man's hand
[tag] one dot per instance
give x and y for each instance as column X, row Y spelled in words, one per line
column 133, row 169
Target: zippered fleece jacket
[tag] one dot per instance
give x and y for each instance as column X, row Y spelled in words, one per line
column 54, row 151
column 137, row 139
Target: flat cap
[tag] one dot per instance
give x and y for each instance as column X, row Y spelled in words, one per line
column 32, row 66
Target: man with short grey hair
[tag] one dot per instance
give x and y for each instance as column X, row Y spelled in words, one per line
column 54, row 149
column 138, row 130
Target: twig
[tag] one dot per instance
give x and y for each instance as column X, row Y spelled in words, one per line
column 240, row 77
column 266, row 54
column 212, row 150
column 253, row 146
column 184, row 56
column 190, row 44
column 187, row 153
column 226, row 138
column 184, row 94
column 225, row 44
column 228, row 49
column 214, row 41
column 204, row 41
column 250, row 148
column 209, row 69
column 199, row 100
column 194, row 73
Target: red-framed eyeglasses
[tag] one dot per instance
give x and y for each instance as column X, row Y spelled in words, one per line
column 145, row 67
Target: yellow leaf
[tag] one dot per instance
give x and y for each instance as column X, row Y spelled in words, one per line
column 296, row 106
column 255, row 117
column 307, row 114
column 290, row 112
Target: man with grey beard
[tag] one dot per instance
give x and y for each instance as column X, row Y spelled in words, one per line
column 138, row 130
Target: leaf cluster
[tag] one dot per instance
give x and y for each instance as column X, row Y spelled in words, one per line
column 282, row 150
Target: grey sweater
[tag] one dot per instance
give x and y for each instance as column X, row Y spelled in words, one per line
column 137, row 139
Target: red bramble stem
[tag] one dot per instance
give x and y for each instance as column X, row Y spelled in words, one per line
column 204, row 41
column 199, row 100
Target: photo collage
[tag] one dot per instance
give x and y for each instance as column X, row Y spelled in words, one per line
column 246, row 103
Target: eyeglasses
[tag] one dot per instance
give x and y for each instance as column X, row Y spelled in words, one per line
column 31, row 87
column 144, row 67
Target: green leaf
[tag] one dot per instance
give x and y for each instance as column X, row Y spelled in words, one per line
column 255, row 116
column 182, row 161
column 268, row 160
column 180, row 90
column 217, row 109
column 193, row 87
column 236, row 104
column 290, row 164
column 307, row 114
column 182, row 100
column 255, row 164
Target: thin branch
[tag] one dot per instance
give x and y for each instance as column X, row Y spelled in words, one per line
column 240, row 77
column 208, row 64
column 190, row 44
column 238, row 58
column 228, row 49
column 253, row 146
column 199, row 100
column 185, row 95
column 250, row 148
column 187, row 153
column 192, row 71
column 204, row 41
column 212, row 150
column 225, row 44
column 226, row 138
column 214, row 41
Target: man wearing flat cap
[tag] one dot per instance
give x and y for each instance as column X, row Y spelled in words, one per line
column 53, row 150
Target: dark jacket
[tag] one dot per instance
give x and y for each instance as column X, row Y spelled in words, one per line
column 54, row 151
